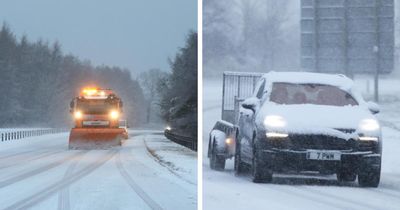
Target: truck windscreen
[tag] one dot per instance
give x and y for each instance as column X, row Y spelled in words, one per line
column 96, row 106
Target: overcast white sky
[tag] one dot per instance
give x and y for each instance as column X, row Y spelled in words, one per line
column 136, row 34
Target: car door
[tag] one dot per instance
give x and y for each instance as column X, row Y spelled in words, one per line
column 247, row 113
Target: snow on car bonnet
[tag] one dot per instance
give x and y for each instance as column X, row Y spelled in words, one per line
column 315, row 118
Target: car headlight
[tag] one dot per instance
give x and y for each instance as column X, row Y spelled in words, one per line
column 114, row 115
column 274, row 121
column 229, row 141
column 78, row 115
column 369, row 125
column 368, row 138
column 276, row 135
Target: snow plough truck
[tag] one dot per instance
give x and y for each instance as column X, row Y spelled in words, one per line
column 96, row 114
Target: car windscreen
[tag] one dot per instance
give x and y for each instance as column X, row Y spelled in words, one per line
column 95, row 106
column 319, row 94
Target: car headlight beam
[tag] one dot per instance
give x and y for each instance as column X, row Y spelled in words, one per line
column 369, row 125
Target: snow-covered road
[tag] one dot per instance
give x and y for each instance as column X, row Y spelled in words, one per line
column 41, row 173
column 224, row 190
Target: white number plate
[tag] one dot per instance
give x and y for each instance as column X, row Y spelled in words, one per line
column 95, row 122
column 323, row 155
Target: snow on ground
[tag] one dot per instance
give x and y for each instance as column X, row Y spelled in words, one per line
column 41, row 173
column 178, row 159
column 223, row 190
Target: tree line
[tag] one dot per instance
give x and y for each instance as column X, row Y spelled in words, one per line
column 37, row 82
column 173, row 95
column 250, row 35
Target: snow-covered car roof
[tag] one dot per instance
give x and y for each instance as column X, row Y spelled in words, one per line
column 310, row 78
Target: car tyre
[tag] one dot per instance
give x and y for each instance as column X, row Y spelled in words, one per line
column 217, row 162
column 240, row 167
column 259, row 171
column 369, row 176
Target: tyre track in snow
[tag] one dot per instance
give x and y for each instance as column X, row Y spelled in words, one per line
column 6, row 157
column 65, row 182
column 135, row 187
column 63, row 195
column 41, row 169
column 22, row 159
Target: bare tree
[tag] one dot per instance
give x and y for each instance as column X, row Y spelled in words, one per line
column 149, row 81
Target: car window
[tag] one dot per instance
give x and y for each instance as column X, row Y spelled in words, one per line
column 286, row 93
column 260, row 90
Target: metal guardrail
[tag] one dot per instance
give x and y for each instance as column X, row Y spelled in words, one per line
column 13, row 135
column 185, row 141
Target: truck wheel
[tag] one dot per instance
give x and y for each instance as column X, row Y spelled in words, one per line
column 259, row 170
column 346, row 176
column 369, row 176
column 239, row 165
column 217, row 162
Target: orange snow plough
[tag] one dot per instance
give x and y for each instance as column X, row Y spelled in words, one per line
column 96, row 114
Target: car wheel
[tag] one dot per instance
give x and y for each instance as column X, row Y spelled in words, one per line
column 259, row 170
column 217, row 162
column 209, row 147
column 346, row 176
column 369, row 176
column 239, row 165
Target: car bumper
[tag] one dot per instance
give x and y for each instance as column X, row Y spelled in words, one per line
column 283, row 160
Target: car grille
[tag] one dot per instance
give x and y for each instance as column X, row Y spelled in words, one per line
column 346, row 130
column 301, row 142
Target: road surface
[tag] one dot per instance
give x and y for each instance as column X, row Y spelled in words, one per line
column 41, row 173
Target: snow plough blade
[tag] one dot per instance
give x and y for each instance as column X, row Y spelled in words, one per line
column 95, row 138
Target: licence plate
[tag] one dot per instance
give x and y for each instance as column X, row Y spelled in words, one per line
column 95, row 122
column 323, row 155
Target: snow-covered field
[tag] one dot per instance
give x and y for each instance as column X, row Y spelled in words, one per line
column 41, row 173
column 223, row 190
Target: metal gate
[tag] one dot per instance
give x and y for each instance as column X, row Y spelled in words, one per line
column 237, row 86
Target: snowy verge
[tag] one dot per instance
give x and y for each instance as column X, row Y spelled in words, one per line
column 178, row 159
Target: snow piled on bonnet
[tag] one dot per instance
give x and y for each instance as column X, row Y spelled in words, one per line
column 316, row 119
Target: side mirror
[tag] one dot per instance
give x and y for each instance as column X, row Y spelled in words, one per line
column 373, row 107
column 251, row 103
column 248, row 106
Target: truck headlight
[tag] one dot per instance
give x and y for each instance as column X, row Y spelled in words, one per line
column 369, row 125
column 274, row 121
column 78, row 115
column 114, row 115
